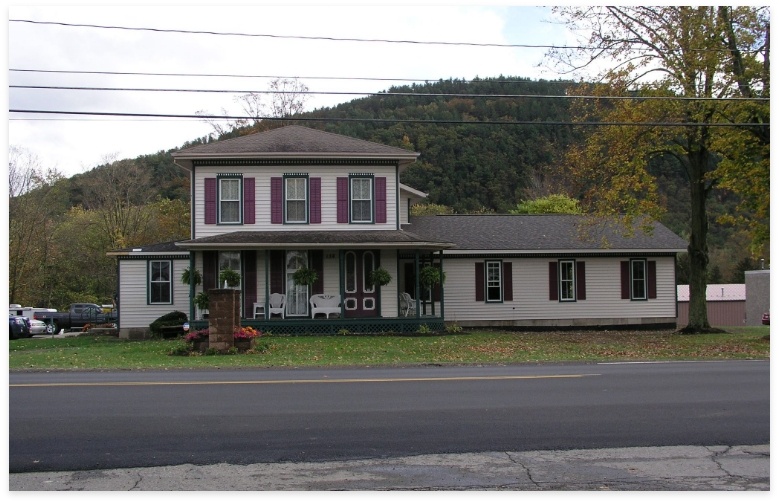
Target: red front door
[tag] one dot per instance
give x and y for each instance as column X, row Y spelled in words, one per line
column 360, row 297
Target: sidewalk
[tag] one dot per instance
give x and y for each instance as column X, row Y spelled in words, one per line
column 680, row 468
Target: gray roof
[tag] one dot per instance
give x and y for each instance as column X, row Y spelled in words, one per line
column 295, row 140
column 540, row 233
column 167, row 248
column 313, row 239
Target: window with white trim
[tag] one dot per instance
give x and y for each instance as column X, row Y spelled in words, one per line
column 361, row 200
column 638, row 286
column 160, row 291
column 229, row 200
column 494, row 281
column 296, row 200
column 567, row 280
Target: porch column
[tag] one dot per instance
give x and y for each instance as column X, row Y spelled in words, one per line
column 441, row 285
column 416, row 281
column 191, row 285
column 267, row 285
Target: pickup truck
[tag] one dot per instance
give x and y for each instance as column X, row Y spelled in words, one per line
column 77, row 316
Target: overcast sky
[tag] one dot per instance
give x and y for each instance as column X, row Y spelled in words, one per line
column 74, row 144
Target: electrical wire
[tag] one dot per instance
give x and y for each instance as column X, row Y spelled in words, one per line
column 396, row 121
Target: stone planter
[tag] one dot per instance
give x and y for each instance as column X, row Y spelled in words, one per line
column 245, row 344
column 200, row 346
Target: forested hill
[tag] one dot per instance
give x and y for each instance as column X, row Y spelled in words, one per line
column 484, row 166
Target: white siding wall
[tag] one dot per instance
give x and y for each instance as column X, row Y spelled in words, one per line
column 389, row 292
column 135, row 312
column 263, row 175
column 531, row 294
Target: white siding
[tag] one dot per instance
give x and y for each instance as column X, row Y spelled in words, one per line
column 134, row 310
column 262, row 176
column 531, row 294
column 389, row 292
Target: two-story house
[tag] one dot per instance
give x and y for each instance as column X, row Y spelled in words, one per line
column 271, row 203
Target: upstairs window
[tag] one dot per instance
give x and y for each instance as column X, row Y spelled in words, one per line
column 229, row 200
column 362, row 200
column 296, row 200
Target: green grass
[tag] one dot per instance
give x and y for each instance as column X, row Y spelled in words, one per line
column 477, row 347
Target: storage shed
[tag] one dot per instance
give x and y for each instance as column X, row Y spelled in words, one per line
column 725, row 304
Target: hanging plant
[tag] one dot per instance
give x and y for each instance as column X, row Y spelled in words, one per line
column 191, row 277
column 201, row 300
column 305, row 276
column 431, row 275
column 230, row 277
column 379, row 277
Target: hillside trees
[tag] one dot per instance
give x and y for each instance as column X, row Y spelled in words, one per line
column 664, row 52
column 35, row 200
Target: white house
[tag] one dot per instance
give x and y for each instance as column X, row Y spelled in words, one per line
column 271, row 203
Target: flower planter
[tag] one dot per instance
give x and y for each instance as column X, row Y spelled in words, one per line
column 244, row 344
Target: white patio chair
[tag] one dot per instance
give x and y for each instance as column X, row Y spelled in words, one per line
column 407, row 304
column 277, row 304
column 259, row 310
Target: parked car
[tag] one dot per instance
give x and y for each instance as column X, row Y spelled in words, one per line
column 18, row 327
column 37, row 327
column 767, row 318
column 76, row 317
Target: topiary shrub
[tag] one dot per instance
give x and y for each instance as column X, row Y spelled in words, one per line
column 172, row 318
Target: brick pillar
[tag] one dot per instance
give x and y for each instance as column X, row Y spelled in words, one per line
column 224, row 308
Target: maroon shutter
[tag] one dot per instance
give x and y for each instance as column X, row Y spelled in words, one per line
column 209, row 270
column 248, row 200
column 479, row 280
column 249, row 282
column 343, row 200
column 315, row 207
column 508, row 284
column 651, row 279
column 277, row 268
column 581, row 285
column 210, row 200
column 276, row 200
column 318, row 264
column 624, row 269
column 381, row 200
column 553, row 292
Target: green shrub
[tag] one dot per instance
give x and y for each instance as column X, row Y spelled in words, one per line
column 172, row 318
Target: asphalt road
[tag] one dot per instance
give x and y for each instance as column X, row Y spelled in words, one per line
column 104, row 420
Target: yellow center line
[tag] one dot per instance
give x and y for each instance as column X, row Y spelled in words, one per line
column 307, row 381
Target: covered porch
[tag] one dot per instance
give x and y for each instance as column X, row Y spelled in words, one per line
column 343, row 266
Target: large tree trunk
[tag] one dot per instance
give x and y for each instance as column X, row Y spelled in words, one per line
column 698, row 250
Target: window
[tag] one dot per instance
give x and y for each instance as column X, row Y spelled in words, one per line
column 567, row 280
column 638, row 277
column 295, row 198
column 160, row 282
column 229, row 200
column 361, row 200
column 494, row 290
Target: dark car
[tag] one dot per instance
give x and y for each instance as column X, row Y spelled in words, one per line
column 767, row 318
column 18, row 327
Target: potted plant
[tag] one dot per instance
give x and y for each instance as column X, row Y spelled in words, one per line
column 191, row 277
column 230, row 278
column 201, row 301
column 379, row 277
column 305, row 276
column 431, row 275
column 244, row 337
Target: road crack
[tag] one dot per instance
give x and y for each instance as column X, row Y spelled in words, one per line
column 524, row 467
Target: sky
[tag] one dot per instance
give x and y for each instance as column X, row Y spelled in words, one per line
column 75, row 144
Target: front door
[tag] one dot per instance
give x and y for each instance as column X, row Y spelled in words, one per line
column 297, row 295
column 360, row 297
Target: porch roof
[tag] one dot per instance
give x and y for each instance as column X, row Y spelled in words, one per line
column 314, row 239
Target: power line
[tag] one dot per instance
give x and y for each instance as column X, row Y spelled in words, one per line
column 228, row 75
column 397, row 121
column 385, row 93
column 298, row 37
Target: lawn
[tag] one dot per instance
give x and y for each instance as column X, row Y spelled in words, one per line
column 476, row 347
